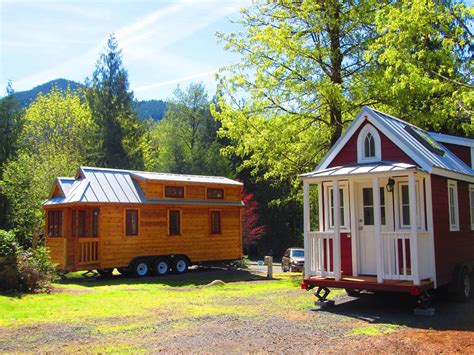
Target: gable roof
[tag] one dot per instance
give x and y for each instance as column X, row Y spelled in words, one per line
column 398, row 131
column 101, row 185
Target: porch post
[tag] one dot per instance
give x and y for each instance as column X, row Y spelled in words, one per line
column 336, row 245
column 306, row 230
column 413, row 229
column 355, row 251
column 378, row 230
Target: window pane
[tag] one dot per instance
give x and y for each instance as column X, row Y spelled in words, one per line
column 369, row 216
column 82, row 222
column 368, row 196
column 382, row 215
column 215, row 193
column 406, row 215
column 131, row 220
column 174, row 191
column 95, row 222
column 215, row 222
column 405, row 198
column 174, row 222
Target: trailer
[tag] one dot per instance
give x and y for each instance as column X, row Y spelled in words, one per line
column 142, row 223
column 395, row 210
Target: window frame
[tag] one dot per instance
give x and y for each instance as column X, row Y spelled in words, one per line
column 95, row 222
column 211, row 231
column 368, row 128
column 138, row 222
column 176, row 187
column 328, row 207
column 471, row 204
column 453, row 225
column 57, row 227
column 214, row 198
column 420, row 205
column 180, row 224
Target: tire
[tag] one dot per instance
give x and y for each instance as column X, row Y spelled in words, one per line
column 464, row 285
column 180, row 264
column 353, row 293
column 141, row 268
column 161, row 267
column 105, row 272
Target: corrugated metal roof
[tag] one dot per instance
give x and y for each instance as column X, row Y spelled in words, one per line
column 448, row 161
column 381, row 167
column 119, row 186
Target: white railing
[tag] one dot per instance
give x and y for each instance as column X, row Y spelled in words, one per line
column 424, row 255
column 319, row 253
column 396, row 256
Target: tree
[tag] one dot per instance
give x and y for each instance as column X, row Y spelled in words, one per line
column 11, row 118
column 111, row 103
column 251, row 228
column 424, row 52
column 300, row 80
column 56, row 140
column 186, row 138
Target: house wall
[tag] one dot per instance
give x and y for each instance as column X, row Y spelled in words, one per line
column 390, row 151
column 462, row 152
column 451, row 248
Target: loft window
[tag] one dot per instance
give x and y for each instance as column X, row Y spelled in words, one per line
column 215, row 222
column 368, row 145
column 55, row 223
column 174, row 191
column 174, row 222
column 131, row 223
column 453, row 205
column 216, row 194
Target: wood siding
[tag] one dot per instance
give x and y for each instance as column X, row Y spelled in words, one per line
column 390, row 152
column 57, row 251
column 451, row 248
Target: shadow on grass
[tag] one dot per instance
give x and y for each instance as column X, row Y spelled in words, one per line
column 194, row 277
column 397, row 309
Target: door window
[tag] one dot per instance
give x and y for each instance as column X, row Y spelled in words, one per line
column 368, row 206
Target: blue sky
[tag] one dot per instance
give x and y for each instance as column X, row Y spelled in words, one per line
column 165, row 43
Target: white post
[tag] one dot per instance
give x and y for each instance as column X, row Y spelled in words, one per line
column 378, row 230
column 413, row 229
column 352, row 203
column 336, row 245
column 306, row 230
column 320, row 207
column 429, row 219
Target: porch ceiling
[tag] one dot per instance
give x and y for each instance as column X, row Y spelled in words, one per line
column 382, row 167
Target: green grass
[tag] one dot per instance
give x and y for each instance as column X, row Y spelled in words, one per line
column 376, row 329
column 76, row 301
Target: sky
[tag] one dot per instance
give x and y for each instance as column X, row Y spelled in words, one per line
column 164, row 42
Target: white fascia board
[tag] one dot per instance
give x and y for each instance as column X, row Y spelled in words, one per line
column 452, row 175
column 446, row 138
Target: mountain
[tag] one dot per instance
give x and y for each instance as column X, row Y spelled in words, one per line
column 146, row 109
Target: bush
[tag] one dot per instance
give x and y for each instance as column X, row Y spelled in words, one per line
column 35, row 270
column 8, row 243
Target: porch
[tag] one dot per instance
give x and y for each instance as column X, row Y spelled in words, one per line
column 376, row 233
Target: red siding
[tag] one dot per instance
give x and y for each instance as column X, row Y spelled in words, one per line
column 462, row 152
column 346, row 254
column 451, row 248
column 390, row 152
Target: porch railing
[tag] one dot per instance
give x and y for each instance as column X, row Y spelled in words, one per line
column 88, row 251
column 320, row 253
column 396, row 256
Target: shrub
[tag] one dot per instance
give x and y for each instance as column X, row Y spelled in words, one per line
column 8, row 243
column 35, row 270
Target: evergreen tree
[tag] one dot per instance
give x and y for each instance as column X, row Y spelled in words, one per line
column 111, row 103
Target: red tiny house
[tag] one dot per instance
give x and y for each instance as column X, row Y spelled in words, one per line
column 379, row 230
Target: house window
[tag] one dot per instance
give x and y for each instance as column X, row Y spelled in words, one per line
column 404, row 205
column 343, row 208
column 453, row 205
column 471, row 200
column 368, row 206
column 215, row 222
column 174, row 222
column 55, row 223
column 217, row 194
column 368, row 145
column 95, row 222
column 131, row 222
column 81, row 227
column 174, row 191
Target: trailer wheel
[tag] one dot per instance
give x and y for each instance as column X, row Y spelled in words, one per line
column 464, row 286
column 141, row 268
column 353, row 292
column 105, row 272
column 161, row 267
column 180, row 264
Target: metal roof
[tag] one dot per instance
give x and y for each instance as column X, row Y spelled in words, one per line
column 101, row 185
column 357, row 169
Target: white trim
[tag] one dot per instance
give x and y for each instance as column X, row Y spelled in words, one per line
column 345, row 205
column 472, row 157
column 368, row 128
column 378, row 229
column 446, row 138
column 453, row 225
column 452, row 174
column 430, row 227
column 353, row 224
column 321, row 211
column 420, row 212
column 471, row 206
column 337, row 235
column 413, row 230
column 306, row 228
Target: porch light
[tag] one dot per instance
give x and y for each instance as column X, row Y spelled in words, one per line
column 390, row 184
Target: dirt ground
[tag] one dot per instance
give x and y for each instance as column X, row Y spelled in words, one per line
column 370, row 324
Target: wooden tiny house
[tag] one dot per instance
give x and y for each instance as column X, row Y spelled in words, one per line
column 403, row 219
column 142, row 222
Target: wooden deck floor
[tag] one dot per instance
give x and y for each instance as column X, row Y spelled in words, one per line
column 368, row 283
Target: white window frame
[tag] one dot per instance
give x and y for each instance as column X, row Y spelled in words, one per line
column 327, row 206
column 453, row 225
column 420, row 206
column 368, row 128
column 471, row 205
